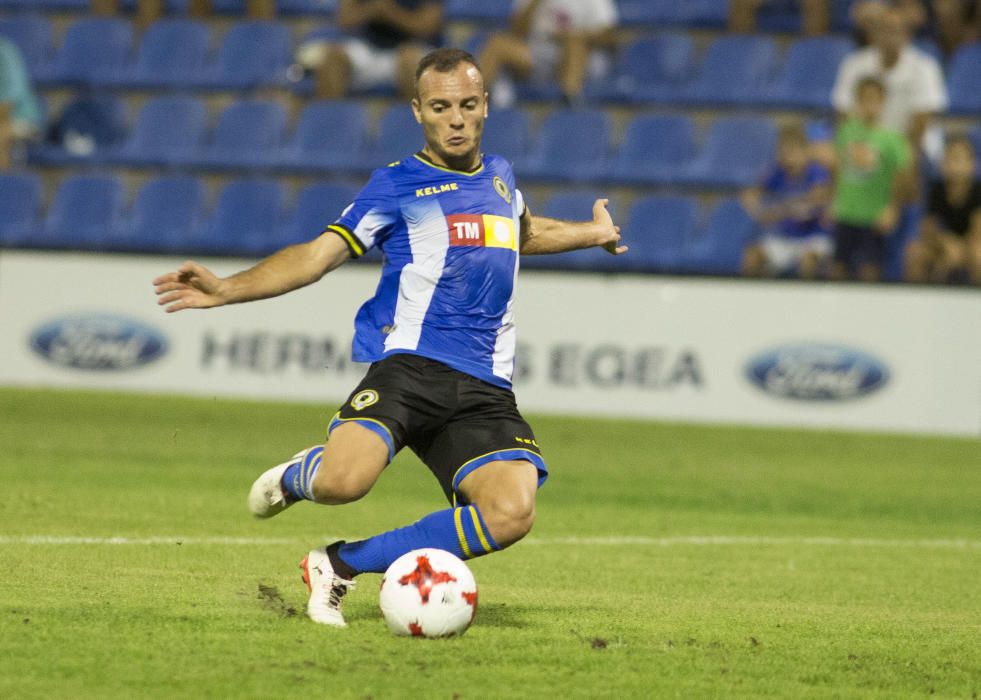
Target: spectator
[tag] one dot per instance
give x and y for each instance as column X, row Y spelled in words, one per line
column 949, row 244
column 957, row 22
column 873, row 169
column 865, row 16
column 913, row 80
column 20, row 116
column 789, row 206
column 563, row 40
column 389, row 38
column 815, row 15
column 148, row 11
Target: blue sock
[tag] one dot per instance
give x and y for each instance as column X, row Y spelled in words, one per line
column 461, row 531
column 298, row 477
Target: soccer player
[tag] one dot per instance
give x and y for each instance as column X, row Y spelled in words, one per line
column 439, row 333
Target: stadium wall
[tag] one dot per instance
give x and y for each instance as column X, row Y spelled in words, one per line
column 841, row 356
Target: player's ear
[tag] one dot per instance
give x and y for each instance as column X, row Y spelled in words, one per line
column 486, row 104
column 417, row 109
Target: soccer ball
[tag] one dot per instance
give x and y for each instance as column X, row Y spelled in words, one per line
column 428, row 593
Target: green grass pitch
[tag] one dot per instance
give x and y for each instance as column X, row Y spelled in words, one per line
column 667, row 561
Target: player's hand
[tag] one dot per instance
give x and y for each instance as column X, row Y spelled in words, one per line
column 609, row 233
column 192, row 286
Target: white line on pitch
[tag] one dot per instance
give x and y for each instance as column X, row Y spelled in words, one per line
column 695, row 540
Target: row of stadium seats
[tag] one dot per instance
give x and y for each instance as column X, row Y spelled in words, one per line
column 781, row 15
column 170, row 215
column 176, row 53
column 332, row 136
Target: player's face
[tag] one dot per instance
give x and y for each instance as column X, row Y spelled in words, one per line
column 452, row 107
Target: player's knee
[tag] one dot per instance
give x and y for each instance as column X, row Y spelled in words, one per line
column 340, row 483
column 509, row 516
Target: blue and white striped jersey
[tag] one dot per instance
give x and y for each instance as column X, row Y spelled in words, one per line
column 450, row 241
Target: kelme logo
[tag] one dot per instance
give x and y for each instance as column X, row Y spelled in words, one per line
column 817, row 372
column 98, row 341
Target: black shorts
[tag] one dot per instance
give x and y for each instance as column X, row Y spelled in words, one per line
column 859, row 245
column 455, row 423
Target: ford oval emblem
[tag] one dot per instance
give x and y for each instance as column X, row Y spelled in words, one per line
column 817, row 372
column 98, row 341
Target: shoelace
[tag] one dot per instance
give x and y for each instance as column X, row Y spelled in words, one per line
column 338, row 591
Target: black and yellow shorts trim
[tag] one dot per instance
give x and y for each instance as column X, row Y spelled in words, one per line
column 453, row 422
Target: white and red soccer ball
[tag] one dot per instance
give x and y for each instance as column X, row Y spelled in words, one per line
column 428, row 593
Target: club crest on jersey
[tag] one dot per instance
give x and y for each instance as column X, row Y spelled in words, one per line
column 502, row 189
column 483, row 230
column 363, row 399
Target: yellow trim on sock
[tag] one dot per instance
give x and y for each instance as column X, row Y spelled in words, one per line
column 461, row 534
column 480, row 533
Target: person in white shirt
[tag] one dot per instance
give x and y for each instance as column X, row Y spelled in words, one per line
column 548, row 40
column 915, row 89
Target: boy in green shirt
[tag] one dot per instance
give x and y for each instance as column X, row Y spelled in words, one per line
column 873, row 167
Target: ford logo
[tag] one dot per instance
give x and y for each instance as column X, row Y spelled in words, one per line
column 817, row 372
column 101, row 342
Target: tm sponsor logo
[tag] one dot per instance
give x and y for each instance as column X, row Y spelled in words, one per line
column 817, row 372
column 98, row 342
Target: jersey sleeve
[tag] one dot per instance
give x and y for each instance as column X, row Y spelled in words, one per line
column 369, row 219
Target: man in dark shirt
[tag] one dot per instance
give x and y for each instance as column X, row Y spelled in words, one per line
column 387, row 38
column 949, row 244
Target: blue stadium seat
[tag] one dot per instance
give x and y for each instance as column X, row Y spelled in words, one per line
column 964, row 79
column 173, row 52
column 330, row 135
column 168, row 131
column 20, row 202
column 83, row 214
column 703, row 13
column 95, row 49
column 808, row 73
column 649, row 12
column 482, row 11
column 398, row 138
column 573, row 145
column 649, row 68
column 48, row 5
column 246, row 215
column 658, row 231
column 576, row 205
column 506, row 133
column 719, row 249
column 735, row 153
column 32, row 34
column 165, row 217
column 253, row 54
column 734, row 71
column 306, row 7
column 317, row 206
column 89, row 128
column 654, row 149
column 249, row 134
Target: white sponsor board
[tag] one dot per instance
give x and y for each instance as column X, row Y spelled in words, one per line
column 844, row 356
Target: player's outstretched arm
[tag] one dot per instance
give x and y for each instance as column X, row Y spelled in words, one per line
column 193, row 286
column 541, row 235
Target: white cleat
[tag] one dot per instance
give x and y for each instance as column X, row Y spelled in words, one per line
column 267, row 498
column 326, row 589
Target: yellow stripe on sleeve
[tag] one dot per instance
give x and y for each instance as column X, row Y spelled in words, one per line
column 348, row 238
